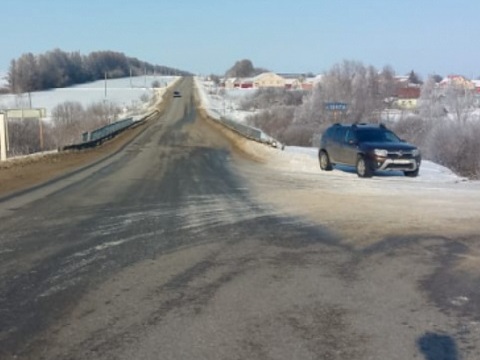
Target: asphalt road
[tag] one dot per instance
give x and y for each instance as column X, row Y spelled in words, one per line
column 164, row 252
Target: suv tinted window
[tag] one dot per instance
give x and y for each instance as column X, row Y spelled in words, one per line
column 351, row 135
column 376, row 135
column 330, row 132
column 340, row 134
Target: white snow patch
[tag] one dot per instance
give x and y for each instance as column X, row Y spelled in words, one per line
column 5, row 251
column 305, row 159
column 224, row 102
column 110, row 244
column 460, row 300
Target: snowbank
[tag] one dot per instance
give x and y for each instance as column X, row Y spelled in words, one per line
column 306, row 160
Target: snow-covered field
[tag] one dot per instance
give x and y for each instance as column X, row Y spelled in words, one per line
column 225, row 102
column 124, row 92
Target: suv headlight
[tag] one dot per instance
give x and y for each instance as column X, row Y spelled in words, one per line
column 380, row 152
column 415, row 152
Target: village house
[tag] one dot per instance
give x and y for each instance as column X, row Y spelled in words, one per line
column 407, row 98
column 232, row 83
column 268, row 79
column 458, row 81
column 272, row 80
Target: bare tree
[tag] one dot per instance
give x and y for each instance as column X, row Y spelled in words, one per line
column 71, row 120
column 459, row 102
column 67, row 121
column 23, row 136
column 431, row 106
column 270, row 97
column 101, row 114
column 455, row 147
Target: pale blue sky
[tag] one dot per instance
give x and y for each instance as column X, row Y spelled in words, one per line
column 208, row 36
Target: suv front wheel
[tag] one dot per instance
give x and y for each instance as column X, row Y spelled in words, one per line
column 363, row 167
column 413, row 173
column 324, row 160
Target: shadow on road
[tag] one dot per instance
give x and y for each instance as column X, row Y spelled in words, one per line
column 438, row 347
column 378, row 173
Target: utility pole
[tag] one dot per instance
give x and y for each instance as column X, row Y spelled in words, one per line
column 105, row 84
column 40, row 125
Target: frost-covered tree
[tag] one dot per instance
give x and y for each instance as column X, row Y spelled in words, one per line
column 362, row 88
column 459, row 102
column 430, row 104
column 444, row 130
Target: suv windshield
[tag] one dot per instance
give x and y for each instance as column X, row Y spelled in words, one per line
column 376, row 135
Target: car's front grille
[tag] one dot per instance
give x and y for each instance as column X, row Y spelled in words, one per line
column 401, row 166
column 400, row 155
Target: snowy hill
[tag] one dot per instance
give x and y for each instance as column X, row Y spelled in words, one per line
column 124, row 92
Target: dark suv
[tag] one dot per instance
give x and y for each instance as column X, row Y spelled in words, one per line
column 368, row 147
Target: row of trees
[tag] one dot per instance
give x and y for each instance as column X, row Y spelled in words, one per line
column 57, row 68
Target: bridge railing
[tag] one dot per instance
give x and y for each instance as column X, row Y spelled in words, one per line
column 249, row 132
column 98, row 136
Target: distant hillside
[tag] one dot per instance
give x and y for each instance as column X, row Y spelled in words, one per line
column 57, row 68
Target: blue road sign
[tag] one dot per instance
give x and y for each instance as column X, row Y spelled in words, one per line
column 336, row 106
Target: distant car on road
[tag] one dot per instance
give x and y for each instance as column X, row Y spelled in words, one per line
column 176, row 94
column 367, row 147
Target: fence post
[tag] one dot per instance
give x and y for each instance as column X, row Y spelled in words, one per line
column 3, row 138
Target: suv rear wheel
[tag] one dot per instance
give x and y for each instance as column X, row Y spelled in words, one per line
column 324, row 160
column 363, row 167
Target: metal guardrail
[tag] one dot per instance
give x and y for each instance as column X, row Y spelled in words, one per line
column 242, row 129
column 250, row 132
column 245, row 130
column 98, row 136
column 106, row 130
